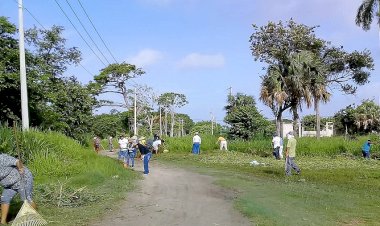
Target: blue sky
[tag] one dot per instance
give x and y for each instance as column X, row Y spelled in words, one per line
column 200, row 47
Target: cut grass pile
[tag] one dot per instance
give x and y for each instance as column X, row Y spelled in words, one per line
column 329, row 191
column 73, row 184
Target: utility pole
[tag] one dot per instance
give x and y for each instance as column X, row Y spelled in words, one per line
column 160, row 122
column 135, row 114
column 24, row 90
column 212, row 123
column 182, row 127
column 230, row 88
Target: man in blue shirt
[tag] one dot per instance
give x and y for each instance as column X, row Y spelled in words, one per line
column 366, row 149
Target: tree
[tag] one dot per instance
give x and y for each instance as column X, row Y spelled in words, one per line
column 113, row 79
column 171, row 101
column 366, row 13
column 243, row 118
column 204, row 127
column 112, row 124
column 70, row 109
column 309, row 122
column 301, row 67
column 367, row 116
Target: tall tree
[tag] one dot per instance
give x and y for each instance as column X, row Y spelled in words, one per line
column 301, row 66
column 113, row 79
column 366, row 13
column 171, row 101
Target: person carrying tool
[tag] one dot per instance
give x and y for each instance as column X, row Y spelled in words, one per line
column 14, row 178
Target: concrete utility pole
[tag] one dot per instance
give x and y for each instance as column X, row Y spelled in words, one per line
column 24, row 90
column 135, row 114
column 160, row 122
column 212, row 123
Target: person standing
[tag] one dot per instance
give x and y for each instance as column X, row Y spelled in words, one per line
column 290, row 155
column 223, row 143
column 276, row 143
column 366, row 148
column 281, row 148
column 196, row 144
column 97, row 144
column 14, row 178
column 131, row 153
column 123, row 149
column 110, row 143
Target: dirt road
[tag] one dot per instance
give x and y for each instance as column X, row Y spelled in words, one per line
column 171, row 196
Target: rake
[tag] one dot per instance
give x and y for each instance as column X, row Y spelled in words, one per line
column 27, row 216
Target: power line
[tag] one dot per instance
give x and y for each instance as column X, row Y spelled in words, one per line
column 31, row 15
column 97, row 32
column 35, row 18
column 79, row 32
column 87, row 31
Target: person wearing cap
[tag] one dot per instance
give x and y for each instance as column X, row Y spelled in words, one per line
column 223, row 143
column 276, row 143
column 366, row 149
column 145, row 155
column 290, row 155
column 131, row 153
column 196, row 144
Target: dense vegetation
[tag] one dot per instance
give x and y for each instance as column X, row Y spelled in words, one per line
column 67, row 175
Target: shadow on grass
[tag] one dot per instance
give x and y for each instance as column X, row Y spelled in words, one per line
column 273, row 172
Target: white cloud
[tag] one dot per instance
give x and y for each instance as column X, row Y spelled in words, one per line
column 197, row 60
column 146, row 57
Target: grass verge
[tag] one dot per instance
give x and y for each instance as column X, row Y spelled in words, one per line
column 330, row 191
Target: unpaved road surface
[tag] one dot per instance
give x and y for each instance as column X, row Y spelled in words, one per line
column 171, row 196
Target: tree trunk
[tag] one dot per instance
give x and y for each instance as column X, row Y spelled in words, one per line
column 172, row 124
column 160, row 122
column 317, row 119
column 279, row 125
column 295, row 120
column 166, row 122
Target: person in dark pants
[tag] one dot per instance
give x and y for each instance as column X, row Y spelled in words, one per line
column 145, row 155
column 366, row 149
column 291, row 155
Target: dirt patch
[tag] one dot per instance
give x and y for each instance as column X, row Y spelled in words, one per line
column 173, row 196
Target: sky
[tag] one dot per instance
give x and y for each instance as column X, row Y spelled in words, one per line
column 199, row 48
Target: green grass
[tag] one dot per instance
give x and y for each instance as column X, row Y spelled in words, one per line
column 330, row 191
column 307, row 146
column 63, row 167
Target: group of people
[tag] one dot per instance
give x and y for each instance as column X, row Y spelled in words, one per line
column 290, row 154
column 128, row 150
column 197, row 143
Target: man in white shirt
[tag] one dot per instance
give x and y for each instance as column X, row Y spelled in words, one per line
column 156, row 144
column 276, row 142
column 123, row 146
column 196, row 144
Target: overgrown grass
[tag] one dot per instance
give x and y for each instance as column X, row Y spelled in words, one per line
column 307, row 146
column 330, row 191
column 72, row 183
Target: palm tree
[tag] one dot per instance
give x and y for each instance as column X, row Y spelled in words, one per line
column 365, row 14
column 273, row 93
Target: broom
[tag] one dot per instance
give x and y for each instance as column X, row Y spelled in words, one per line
column 27, row 216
